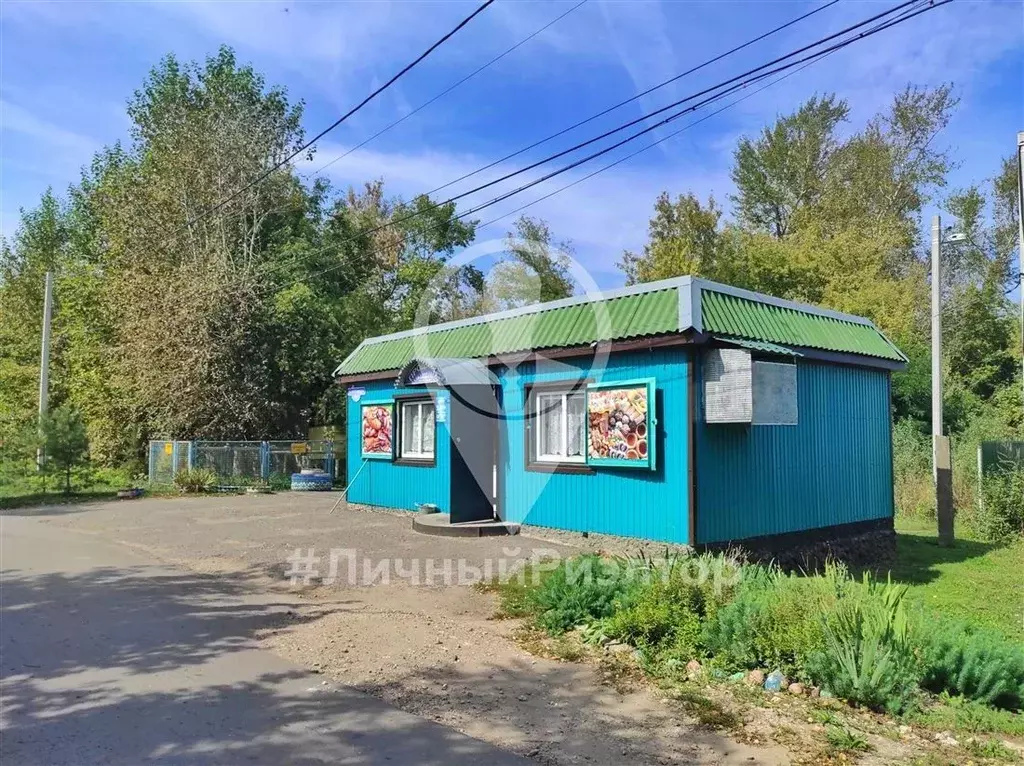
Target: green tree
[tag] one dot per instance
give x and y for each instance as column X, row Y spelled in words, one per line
column 683, row 238
column 783, row 170
column 64, row 443
column 536, row 269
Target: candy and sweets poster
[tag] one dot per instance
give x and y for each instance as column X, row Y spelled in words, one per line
column 618, row 424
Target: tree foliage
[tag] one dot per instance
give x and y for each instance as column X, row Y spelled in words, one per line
column 64, row 443
column 178, row 316
column 537, row 268
column 835, row 220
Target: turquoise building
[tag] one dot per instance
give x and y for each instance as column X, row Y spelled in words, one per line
column 682, row 411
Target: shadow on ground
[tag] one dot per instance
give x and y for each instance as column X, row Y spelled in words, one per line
column 124, row 665
column 918, row 555
column 51, row 503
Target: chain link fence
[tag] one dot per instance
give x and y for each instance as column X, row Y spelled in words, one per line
column 240, row 463
column 167, row 458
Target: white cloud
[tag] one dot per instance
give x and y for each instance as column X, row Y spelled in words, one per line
column 37, row 146
column 16, row 119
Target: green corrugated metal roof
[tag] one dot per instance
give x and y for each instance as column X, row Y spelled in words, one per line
column 652, row 310
column 745, row 318
column 628, row 316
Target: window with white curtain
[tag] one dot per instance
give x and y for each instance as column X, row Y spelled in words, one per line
column 417, row 425
column 558, row 422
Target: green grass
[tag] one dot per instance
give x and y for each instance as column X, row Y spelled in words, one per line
column 957, row 714
column 974, row 581
column 843, row 740
column 28, row 491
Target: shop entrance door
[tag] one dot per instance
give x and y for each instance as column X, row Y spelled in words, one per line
column 474, row 434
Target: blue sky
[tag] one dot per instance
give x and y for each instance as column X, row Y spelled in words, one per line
column 69, row 67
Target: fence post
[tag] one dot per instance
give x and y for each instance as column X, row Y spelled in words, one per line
column 191, row 455
column 329, row 462
column 152, row 463
column 265, row 461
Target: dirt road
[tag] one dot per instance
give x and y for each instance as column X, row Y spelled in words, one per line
column 109, row 658
column 433, row 651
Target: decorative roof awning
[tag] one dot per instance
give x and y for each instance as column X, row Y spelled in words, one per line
column 445, row 372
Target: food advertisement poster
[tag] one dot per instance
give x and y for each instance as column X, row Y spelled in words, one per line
column 618, row 422
column 377, row 430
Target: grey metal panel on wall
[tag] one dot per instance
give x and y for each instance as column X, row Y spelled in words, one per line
column 774, row 394
column 728, row 386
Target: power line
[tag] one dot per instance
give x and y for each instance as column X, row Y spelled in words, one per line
column 612, row 108
column 675, row 78
column 450, row 200
column 677, row 115
column 259, row 179
column 674, row 104
column 675, row 133
column 452, row 87
column 908, row 14
column 630, row 100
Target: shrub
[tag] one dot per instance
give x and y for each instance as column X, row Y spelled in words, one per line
column 912, row 471
column 952, row 712
column 976, row 663
column 665, row 605
column 195, row 480
column 868, row 657
column 578, row 590
column 1000, row 513
column 774, row 621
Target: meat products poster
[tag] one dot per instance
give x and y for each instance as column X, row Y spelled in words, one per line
column 377, row 430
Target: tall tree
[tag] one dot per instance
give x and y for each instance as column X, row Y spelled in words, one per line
column 39, row 245
column 535, row 270
column 783, row 170
column 683, row 238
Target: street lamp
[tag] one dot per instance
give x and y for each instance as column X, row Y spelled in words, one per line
column 942, row 465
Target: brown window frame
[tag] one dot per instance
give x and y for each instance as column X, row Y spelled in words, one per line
column 400, row 401
column 529, row 440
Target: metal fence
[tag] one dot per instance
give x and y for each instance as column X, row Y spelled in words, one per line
column 166, row 458
column 244, row 462
column 996, row 456
column 233, row 462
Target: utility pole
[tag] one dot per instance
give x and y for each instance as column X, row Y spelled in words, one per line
column 1020, row 252
column 44, row 363
column 940, row 442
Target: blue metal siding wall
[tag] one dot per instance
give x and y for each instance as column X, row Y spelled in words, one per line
column 630, row 501
column 835, row 467
column 383, row 483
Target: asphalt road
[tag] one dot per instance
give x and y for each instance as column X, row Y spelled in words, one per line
column 106, row 658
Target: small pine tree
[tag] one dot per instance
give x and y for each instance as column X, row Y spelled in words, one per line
column 64, row 442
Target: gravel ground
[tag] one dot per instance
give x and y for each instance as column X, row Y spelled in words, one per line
column 434, row 651
column 608, row 544
column 258, row 533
